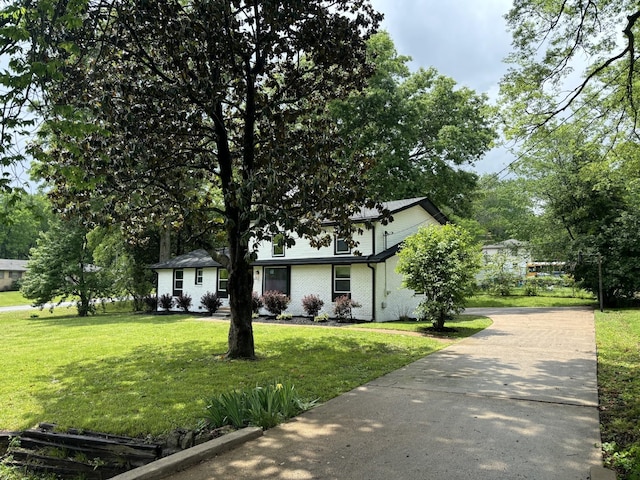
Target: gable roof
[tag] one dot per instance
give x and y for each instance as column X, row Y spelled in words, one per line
column 396, row 206
column 196, row 259
column 7, row 264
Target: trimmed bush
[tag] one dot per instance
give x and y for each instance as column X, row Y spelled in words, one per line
column 343, row 308
column 276, row 302
column 165, row 301
column 210, row 302
column 312, row 304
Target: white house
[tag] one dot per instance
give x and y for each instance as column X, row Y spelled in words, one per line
column 369, row 278
column 514, row 254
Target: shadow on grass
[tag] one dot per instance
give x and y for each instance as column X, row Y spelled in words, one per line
column 153, row 389
column 73, row 320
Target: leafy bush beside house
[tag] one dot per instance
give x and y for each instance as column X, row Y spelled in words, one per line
column 312, row 304
column 275, row 302
column 343, row 308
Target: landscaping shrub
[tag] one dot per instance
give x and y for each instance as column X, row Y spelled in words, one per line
column 312, row 304
column 256, row 303
column 276, row 302
column 343, row 308
column 165, row 301
column 150, row 303
column 264, row 407
column 210, row 302
column 184, row 302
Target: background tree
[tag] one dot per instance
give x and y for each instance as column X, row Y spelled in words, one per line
column 22, row 218
column 124, row 265
column 441, row 262
column 587, row 188
column 61, row 266
column 155, row 107
column 423, row 130
column 575, row 36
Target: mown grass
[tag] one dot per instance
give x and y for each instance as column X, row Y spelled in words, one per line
column 527, row 301
column 12, row 299
column 148, row 374
column 618, row 341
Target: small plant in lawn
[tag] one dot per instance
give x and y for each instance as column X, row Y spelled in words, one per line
column 210, row 302
column 343, row 308
column 260, row 406
column 166, row 302
column 312, row 304
column 276, row 302
column 323, row 317
column 184, row 302
column 256, row 303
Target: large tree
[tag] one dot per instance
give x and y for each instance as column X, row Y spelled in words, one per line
column 574, row 58
column 156, row 107
column 22, row 218
column 424, row 130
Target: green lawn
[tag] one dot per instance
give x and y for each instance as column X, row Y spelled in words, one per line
column 618, row 339
column 11, row 299
column 148, row 374
column 526, row 301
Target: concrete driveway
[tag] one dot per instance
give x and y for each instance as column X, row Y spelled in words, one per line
column 518, row 400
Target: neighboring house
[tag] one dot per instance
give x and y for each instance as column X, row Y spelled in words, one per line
column 514, row 254
column 369, row 278
column 10, row 272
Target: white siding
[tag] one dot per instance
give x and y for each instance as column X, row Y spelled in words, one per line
column 209, row 284
column 393, row 300
column 405, row 223
column 302, row 248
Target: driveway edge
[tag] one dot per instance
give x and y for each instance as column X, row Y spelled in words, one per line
column 191, row 456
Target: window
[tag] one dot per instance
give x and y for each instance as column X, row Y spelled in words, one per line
column 276, row 278
column 277, row 245
column 341, row 246
column 1, row 273
column 15, row 275
column 223, row 280
column 178, row 282
column 198, row 276
column 341, row 280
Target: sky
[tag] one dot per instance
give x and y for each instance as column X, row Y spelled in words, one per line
column 466, row 40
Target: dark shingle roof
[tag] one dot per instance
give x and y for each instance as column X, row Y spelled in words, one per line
column 196, row 259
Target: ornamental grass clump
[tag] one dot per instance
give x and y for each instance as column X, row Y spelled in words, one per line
column 210, row 302
column 166, row 302
column 263, row 407
column 184, row 302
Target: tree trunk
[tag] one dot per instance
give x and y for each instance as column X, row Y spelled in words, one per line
column 240, row 330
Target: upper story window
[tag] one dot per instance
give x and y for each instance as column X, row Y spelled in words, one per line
column 341, row 246
column 277, row 245
column 178, row 282
column 199, row 276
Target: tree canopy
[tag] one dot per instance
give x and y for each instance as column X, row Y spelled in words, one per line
column 573, row 59
column 423, row 129
column 153, row 109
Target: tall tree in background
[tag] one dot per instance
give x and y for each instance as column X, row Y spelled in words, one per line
column 421, row 127
column 62, row 267
column 22, row 219
column 155, row 107
column 595, row 39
